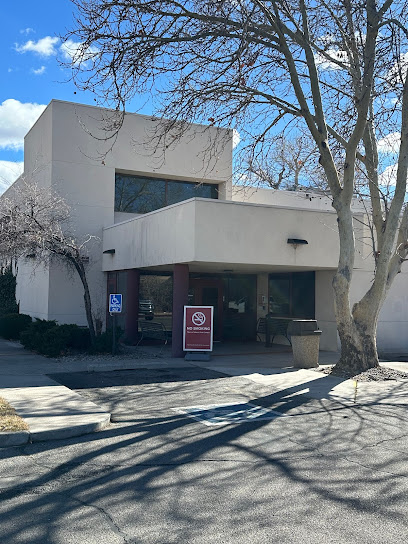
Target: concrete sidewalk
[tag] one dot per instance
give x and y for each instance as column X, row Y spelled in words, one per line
column 53, row 411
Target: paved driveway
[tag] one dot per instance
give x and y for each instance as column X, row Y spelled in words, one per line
column 319, row 472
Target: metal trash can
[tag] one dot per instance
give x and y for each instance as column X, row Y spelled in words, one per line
column 305, row 338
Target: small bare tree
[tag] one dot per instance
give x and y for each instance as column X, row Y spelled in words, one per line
column 36, row 223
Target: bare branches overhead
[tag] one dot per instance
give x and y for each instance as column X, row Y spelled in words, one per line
column 335, row 68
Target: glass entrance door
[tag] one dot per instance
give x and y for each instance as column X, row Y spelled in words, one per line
column 208, row 292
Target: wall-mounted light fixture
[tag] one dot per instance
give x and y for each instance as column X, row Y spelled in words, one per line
column 109, row 251
column 297, row 242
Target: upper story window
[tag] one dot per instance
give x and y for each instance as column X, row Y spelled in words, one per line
column 138, row 194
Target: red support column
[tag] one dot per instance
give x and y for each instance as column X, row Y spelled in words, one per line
column 180, row 299
column 132, row 305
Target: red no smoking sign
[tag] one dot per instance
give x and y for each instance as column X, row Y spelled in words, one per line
column 198, row 328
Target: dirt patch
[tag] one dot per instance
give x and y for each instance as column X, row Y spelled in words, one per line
column 378, row 374
column 9, row 420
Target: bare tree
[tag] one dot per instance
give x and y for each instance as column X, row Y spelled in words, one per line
column 338, row 68
column 35, row 223
column 290, row 163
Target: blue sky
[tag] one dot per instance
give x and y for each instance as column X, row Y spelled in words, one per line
column 30, row 74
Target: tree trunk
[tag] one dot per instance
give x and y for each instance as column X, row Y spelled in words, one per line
column 87, row 298
column 357, row 327
column 88, row 310
column 358, row 347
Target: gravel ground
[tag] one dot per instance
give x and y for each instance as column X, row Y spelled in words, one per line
column 125, row 352
column 372, row 375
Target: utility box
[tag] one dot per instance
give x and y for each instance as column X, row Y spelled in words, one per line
column 305, row 337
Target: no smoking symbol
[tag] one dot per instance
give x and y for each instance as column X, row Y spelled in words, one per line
column 198, row 318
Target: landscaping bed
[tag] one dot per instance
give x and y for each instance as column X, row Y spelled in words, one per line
column 9, row 420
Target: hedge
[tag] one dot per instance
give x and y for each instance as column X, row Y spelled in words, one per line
column 13, row 325
column 52, row 340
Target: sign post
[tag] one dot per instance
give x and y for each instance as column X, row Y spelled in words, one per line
column 198, row 332
column 115, row 307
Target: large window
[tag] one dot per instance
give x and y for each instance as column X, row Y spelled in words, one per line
column 137, row 194
column 292, row 295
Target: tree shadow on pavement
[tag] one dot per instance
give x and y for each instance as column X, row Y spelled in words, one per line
column 323, row 468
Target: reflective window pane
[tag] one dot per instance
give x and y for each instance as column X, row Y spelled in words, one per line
column 156, row 300
column 136, row 194
column 292, row 295
column 139, row 195
column 177, row 191
column 279, row 296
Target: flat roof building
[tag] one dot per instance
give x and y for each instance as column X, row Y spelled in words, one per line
column 172, row 230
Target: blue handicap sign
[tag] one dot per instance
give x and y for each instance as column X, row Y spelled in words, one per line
column 115, row 304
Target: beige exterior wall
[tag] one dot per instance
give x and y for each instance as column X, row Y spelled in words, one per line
column 32, row 292
column 262, row 295
column 32, row 280
column 61, row 152
column 324, row 310
column 247, row 232
column 393, row 320
column 212, row 234
column 292, row 199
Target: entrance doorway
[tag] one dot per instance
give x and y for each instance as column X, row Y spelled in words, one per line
column 234, row 299
column 208, row 292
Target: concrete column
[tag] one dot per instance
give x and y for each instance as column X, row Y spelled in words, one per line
column 180, row 299
column 132, row 305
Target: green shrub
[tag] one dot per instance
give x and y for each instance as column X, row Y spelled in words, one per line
column 52, row 340
column 11, row 325
column 80, row 339
column 32, row 338
column 103, row 342
column 55, row 341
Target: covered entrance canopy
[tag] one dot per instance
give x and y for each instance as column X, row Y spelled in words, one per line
column 241, row 258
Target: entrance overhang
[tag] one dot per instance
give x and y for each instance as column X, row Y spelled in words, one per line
column 218, row 235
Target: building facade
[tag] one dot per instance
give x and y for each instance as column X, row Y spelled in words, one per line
column 172, row 230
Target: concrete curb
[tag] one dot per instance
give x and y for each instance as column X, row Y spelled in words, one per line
column 19, row 438
column 14, row 438
column 71, row 431
column 51, row 410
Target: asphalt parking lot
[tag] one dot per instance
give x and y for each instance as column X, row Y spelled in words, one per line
column 315, row 471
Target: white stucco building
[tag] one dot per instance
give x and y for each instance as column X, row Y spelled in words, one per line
column 166, row 240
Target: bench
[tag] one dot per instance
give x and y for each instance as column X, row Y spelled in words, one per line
column 272, row 327
column 153, row 330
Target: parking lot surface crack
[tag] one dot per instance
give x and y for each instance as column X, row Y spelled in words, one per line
column 114, row 526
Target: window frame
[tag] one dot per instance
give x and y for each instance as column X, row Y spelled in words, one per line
column 214, row 189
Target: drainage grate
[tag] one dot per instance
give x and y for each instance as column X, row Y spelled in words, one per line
column 224, row 414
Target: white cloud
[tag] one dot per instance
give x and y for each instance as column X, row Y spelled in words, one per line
column 26, row 30
column 326, row 64
column 9, row 172
column 390, row 143
column 45, row 47
column 236, row 138
column 39, row 71
column 389, row 176
column 399, row 70
column 72, row 51
column 16, row 119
